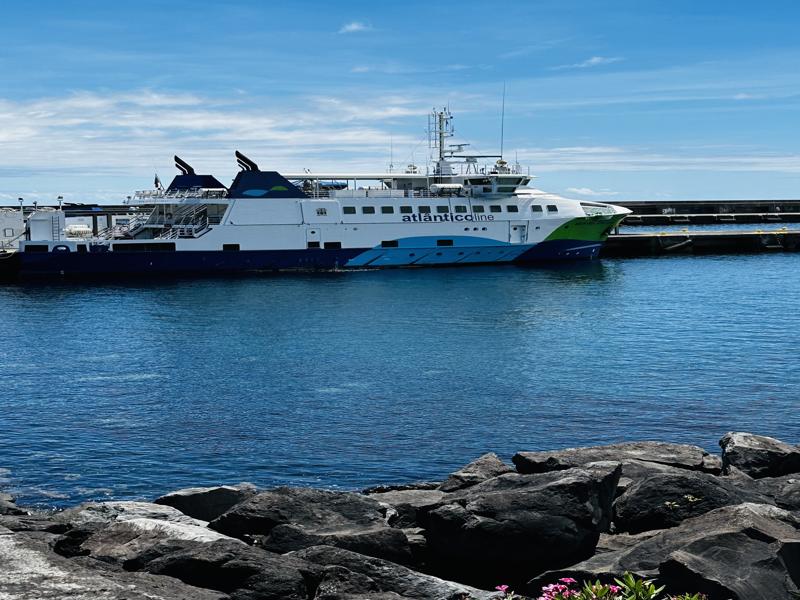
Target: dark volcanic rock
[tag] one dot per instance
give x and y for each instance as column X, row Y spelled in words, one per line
column 208, row 503
column 240, row 570
column 391, row 577
column 758, row 455
column 512, row 526
column 399, row 487
column 109, row 512
column 367, row 596
column 666, row 499
column 338, row 581
column 784, row 491
column 286, row 519
column 30, row 570
column 742, row 552
column 134, row 542
column 681, row 456
column 408, row 504
column 8, row 506
column 487, row 466
column 32, row 522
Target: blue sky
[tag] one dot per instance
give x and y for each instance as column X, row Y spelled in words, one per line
column 622, row 99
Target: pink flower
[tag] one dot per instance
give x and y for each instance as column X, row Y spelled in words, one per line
column 501, row 588
column 567, row 580
column 615, row 589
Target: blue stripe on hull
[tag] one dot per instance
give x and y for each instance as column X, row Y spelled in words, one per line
column 443, row 255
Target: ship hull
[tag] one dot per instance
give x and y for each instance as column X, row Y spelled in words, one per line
column 198, row 262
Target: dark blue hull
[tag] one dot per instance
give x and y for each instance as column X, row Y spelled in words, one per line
column 187, row 262
column 120, row 263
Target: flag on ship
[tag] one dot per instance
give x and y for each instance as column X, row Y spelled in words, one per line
column 157, row 183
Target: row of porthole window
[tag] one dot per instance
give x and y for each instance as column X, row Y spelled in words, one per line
column 459, row 208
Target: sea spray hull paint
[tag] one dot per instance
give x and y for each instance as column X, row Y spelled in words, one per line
column 69, row 264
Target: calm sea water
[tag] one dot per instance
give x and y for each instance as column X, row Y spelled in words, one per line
column 351, row 379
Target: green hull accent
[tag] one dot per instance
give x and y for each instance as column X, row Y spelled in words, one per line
column 587, row 229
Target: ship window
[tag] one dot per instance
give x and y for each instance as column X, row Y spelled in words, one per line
column 368, row 210
column 536, row 208
column 333, row 245
column 442, row 209
column 406, row 210
column 512, row 208
column 460, row 208
column 387, row 210
column 8, row 232
column 389, row 244
column 349, row 210
column 495, row 208
column 444, row 242
column 478, row 208
column 313, row 244
column 552, row 208
column 230, row 247
column 425, row 209
column 322, row 212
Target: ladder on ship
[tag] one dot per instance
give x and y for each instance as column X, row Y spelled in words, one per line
column 55, row 223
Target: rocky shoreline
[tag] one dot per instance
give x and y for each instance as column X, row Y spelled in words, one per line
column 727, row 526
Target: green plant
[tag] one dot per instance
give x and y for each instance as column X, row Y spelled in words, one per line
column 626, row 588
column 638, row 589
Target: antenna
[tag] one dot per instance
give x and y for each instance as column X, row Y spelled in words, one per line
column 391, row 153
column 502, row 120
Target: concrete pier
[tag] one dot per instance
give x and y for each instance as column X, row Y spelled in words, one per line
column 701, row 242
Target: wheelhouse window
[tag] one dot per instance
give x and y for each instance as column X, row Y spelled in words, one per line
column 478, row 208
column 460, row 208
column 512, row 208
column 552, row 208
column 442, row 209
column 387, row 210
column 425, row 209
column 349, row 210
column 536, row 208
column 406, row 210
column 495, row 208
column 368, row 210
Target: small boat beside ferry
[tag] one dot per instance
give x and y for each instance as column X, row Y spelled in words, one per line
column 455, row 212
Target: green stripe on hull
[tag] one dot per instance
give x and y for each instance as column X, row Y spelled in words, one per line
column 587, row 229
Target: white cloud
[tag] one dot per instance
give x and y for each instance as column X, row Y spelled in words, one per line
column 635, row 159
column 83, row 143
column 594, row 61
column 355, row 27
column 395, row 68
column 585, row 191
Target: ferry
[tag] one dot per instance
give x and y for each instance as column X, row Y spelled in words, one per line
column 454, row 212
